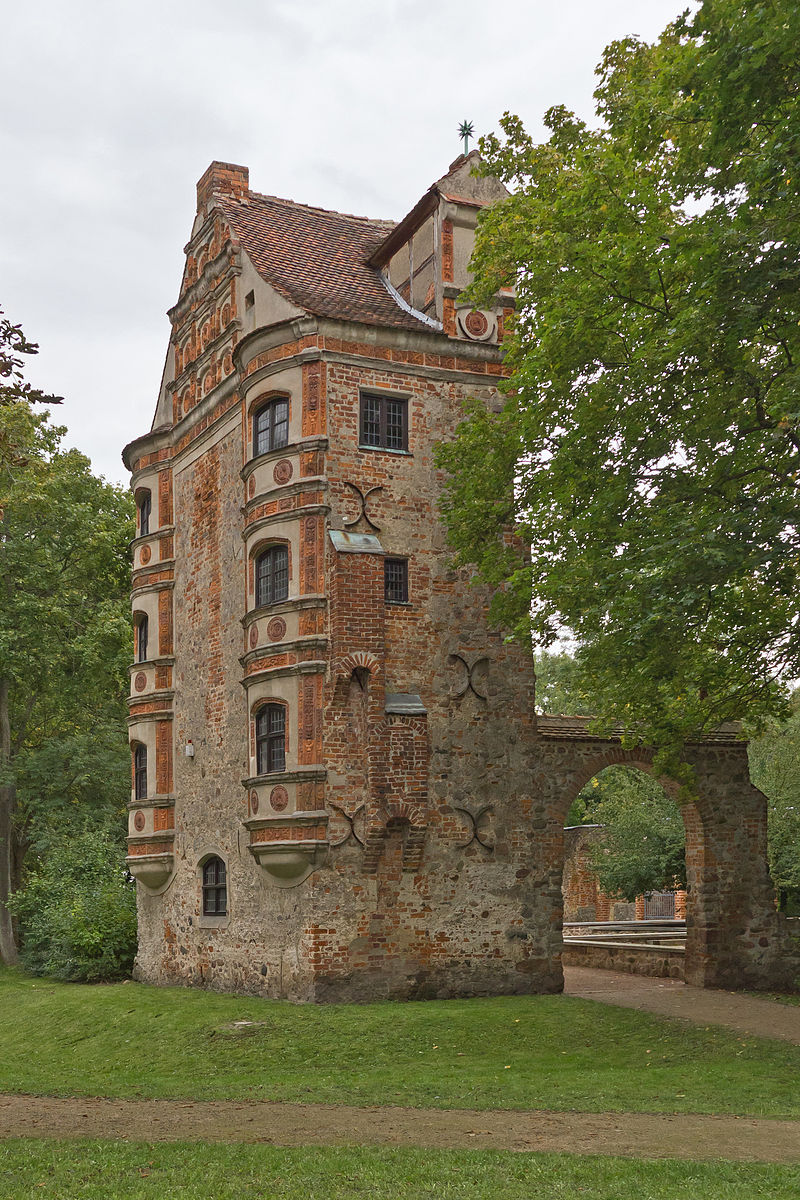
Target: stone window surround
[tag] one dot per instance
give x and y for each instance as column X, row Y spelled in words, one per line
column 206, row 921
column 261, row 547
column 276, row 556
column 261, row 404
column 266, row 738
column 144, row 511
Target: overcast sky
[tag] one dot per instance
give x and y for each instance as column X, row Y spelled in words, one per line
column 112, row 111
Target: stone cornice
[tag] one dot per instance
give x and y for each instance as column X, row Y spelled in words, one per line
column 311, row 667
column 304, row 446
column 272, row 649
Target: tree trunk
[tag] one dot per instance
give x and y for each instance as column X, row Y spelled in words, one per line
column 8, row 945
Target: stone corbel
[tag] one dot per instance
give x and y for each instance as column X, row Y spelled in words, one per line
column 151, row 863
column 289, row 848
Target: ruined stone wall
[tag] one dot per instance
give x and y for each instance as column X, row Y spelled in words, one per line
column 583, row 899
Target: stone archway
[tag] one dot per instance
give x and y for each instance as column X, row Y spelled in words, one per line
column 735, row 936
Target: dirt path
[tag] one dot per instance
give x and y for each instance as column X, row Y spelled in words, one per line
column 671, row 998
column 637, row 1135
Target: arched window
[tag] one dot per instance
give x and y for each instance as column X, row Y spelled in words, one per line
column 145, row 508
column 215, row 891
column 271, row 739
column 141, row 638
column 140, row 772
column 271, row 426
column 272, row 575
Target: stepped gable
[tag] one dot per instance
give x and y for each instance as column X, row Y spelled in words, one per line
column 317, row 258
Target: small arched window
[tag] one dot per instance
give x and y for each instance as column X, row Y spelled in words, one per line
column 272, row 575
column 271, row 739
column 145, row 508
column 141, row 638
column 215, row 890
column 140, row 772
column 271, row 426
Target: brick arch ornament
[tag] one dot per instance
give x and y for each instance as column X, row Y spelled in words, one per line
column 413, row 817
column 343, row 668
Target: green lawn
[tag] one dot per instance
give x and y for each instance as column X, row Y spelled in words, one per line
column 551, row 1052
column 96, row 1170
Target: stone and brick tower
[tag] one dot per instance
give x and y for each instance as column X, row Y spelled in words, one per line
column 340, row 789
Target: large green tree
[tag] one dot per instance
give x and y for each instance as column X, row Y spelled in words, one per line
column 64, row 645
column 649, row 448
column 642, row 846
column 775, row 769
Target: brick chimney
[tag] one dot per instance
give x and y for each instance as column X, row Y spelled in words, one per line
column 223, row 180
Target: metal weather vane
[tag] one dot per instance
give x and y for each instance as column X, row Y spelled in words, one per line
column 466, row 130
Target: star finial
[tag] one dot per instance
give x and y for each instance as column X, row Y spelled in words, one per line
column 466, row 131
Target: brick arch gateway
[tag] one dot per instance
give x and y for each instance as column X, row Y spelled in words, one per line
column 735, row 937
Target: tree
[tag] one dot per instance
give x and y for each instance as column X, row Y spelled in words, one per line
column 19, row 424
column 642, row 847
column 649, row 447
column 775, row 770
column 64, row 648
column 78, row 910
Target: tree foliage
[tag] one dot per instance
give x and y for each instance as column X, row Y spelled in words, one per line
column 65, row 638
column 19, row 424
column 643, row 842
column 649, row 447
column 78, row 910
column 775, row 770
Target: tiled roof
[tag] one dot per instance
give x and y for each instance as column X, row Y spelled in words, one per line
column 317, row 258
column 551, row 725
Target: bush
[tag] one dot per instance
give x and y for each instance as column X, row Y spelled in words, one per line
column 77, row 911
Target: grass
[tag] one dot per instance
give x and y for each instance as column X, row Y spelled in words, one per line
column 99, row 1170
column 780, row 997
column 550, row 1052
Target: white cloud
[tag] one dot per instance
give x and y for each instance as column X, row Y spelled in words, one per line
column 113, row 111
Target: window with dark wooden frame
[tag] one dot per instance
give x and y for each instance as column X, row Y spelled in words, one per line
column 271, row 426
column 272, row 575
column 384, row 422
column 140, row 772
column 215, row 889
column 141, row 638
column 395, row 580
column 270, row 739
column 145, row 508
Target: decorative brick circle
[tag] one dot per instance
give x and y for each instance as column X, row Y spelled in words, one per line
column 282, row 471
column 476, row 324
column 144, row 555
column 254, row 802
column 140, row 681
column 226, row 314
column 138, row 821
column 227, row 364
column 279, row 798
column 251, row 487
column 253, row 636
column 276, row 630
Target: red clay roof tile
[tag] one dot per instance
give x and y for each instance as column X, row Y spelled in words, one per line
column 317, row 258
